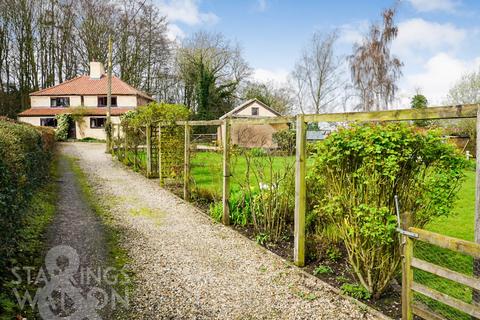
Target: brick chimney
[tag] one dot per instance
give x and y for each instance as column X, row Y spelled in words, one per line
column 96, row 70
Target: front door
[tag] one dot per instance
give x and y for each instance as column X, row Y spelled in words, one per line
column 72, row 131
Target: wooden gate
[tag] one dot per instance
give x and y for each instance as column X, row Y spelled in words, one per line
column 438, row 279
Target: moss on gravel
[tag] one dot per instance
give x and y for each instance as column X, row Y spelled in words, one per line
column 114, row 235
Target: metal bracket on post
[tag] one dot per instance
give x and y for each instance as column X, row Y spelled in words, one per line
column 399, row 228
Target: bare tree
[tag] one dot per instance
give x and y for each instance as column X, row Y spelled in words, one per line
column 45, row 42
column 374, row 71
column 317, row 74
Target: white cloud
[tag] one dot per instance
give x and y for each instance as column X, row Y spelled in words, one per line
column 185, row 11
column 261, row 5
column 434, row 5
column 353, row 33
column 439, row 74
column 278, row 76
column 174, row 32
column 416, row 35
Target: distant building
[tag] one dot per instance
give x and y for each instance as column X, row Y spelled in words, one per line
column 247, row 135
column 89, row 92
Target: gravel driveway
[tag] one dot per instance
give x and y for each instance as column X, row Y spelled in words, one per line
column 188, row 267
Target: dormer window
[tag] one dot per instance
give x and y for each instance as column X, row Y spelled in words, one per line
column 102, row 101
column 254, row 111
column 60, row 102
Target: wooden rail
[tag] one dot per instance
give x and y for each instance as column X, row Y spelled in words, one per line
column 431, row 113
column 454, row 244
column 444, row 112
column 408, row 285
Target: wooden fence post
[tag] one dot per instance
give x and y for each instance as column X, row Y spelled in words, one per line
column 125, row 147
column 407, row 272
column 226, row 171
column 300, row 193
column 476, row 262
column 186, row 169
column 149, row 150
column 160, row 173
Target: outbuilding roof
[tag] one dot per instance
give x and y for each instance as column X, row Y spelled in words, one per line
column 245, row 105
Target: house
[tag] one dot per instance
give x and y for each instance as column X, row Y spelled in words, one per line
column 247, row 135
column 89, row 92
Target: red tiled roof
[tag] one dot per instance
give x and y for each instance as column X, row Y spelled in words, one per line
column 84, row 85
column 32, row 112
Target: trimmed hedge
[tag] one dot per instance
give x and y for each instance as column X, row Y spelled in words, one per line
column 25, row 155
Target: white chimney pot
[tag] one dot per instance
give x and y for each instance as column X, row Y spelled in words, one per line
column 96, row 70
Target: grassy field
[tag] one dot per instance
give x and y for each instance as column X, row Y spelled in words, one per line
column 207, row 170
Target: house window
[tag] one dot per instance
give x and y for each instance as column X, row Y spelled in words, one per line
column 102, row 101
column 97, row 123
column 254, row 111
column 60, row 102
column 48, row 122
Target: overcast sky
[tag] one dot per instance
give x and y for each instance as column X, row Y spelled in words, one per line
column 438, row 40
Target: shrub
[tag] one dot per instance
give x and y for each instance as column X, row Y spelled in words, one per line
column 25, row 154
column 258, row 152
column 271, row 190
column 356, row 173
column 134, row 122
column 63, row 124
column 285, row 139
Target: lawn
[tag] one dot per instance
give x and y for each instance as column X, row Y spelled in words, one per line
column 207, row 169
column 460, row 224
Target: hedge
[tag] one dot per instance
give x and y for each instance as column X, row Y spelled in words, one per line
column 25, row 155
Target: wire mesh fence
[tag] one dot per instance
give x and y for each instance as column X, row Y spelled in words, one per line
column 206, row 166
column 451, row 260
column 265, row 181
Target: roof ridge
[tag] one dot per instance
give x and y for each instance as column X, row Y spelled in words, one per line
column 57, row 85
column 139, row 92
column 247, row 103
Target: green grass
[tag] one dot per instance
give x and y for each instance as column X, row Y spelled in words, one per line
column 207, row 169
column 460, row 224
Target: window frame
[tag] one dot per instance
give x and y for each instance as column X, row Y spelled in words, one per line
column 94, row 119
column 255, row 111
column 114, row 101
column 56, row 99
column 43, row 120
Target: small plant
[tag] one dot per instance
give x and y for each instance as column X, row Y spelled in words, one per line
column 258, row 152
column 216, row 211
column 321, row 269
column 356, row 291
column 262, row 238
column 307, row 296
column 342, row 279
column 334, row 254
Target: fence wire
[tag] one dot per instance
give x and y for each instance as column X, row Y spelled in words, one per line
column 451, row 260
